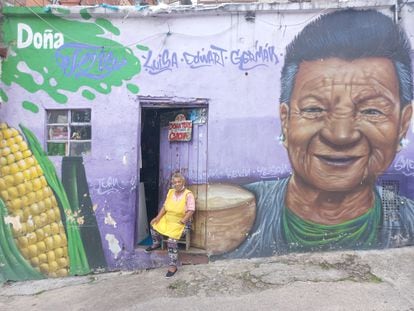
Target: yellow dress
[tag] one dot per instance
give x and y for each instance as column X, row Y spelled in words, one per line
column 169, row 224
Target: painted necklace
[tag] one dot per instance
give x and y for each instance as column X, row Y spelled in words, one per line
column 360, row 233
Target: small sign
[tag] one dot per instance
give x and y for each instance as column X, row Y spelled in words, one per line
column 180, row 129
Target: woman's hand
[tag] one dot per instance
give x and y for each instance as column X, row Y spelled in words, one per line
column 154, row 220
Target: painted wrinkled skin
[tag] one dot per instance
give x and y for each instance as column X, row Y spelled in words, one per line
column 342, row 128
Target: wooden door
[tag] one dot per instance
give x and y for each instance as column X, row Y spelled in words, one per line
column 188, row 158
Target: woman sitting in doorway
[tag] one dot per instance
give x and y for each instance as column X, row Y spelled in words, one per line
column 171, row 221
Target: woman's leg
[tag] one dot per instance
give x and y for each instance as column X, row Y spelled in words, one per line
column 172, row 253
column 156, row 241
column 156, row 238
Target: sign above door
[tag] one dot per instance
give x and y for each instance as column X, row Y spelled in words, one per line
column 180, row 129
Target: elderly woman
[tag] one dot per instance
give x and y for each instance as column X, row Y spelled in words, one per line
column 171, row 221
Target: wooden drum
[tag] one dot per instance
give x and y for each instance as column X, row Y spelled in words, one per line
column 224, row 215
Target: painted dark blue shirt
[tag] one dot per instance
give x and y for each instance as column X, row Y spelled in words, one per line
column 266, row 237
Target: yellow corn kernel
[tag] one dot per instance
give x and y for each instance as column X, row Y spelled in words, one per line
column 51, row 215
column 9, row 181
column 23, row 242
column 31, row 238
column 22, row 164
column 62, row 262
column 30, row 161
column 41, row 246
column 28, row 185
column 40, row 234
column 44, row 268
column 14, row 168
column 34, row 261
column 18, row 138
column 5, row 151
column 62, row 272
column 10, row 158
column 53, row 266
column 36, row 184
column 42, row 258
column 2, row 184
column 10, row 141
column 23, row 146
column 5, row 195
column 59, row 252
column 34, row 209
column 21, row 188
column 16, row 204
column 18, row 155
column 49, row 243
column 57, row 240
column 14, row 148
column 25, row 252
column 32, row 250
column 26, row 153
column 33, row 172
column 7, row 133
column 5, row 170
column 54, row 228
column 51, row 256
column 39, row 195
column 18, row 178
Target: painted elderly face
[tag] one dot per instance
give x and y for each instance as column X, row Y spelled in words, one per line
column 344, row 124
column 177, row 184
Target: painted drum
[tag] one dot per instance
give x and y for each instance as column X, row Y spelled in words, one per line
column 224, row 216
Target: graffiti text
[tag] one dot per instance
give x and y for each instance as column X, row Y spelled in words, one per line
column 45, row 40
column 259, row 56
column 404, row 165
column 164, row 61
column 245, row 60
column 82, row 60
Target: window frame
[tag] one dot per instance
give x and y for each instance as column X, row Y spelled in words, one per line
column 68, row 141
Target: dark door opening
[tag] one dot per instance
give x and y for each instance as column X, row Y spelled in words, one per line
column 150, row 152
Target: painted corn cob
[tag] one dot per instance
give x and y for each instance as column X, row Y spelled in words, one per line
column 37, row 226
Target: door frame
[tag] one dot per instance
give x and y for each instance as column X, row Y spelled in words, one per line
column 160, row 102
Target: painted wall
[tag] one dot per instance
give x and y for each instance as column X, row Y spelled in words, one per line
column 103, row 60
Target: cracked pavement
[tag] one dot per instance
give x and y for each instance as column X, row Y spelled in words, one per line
column 351, row 280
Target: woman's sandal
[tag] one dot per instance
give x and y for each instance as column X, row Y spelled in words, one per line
column 170, row 273
column 151, row 248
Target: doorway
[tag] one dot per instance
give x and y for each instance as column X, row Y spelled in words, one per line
column 162, row 155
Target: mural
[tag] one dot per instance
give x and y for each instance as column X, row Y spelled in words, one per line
column 339, row 176
column 345, row 111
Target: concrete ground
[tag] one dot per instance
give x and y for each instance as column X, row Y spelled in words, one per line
column 363, row 280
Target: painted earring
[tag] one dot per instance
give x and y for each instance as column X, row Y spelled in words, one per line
column 403, row 143
column 282, row 138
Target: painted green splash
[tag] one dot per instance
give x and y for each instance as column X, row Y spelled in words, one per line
column 85, row 14
column 104, row 23
column 142, row 47
column 133, row 88
column 30, row 106
column 88, row 94
column 3, row 96
column 33, row 68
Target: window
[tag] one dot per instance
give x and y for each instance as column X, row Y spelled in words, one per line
column 69, row 132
